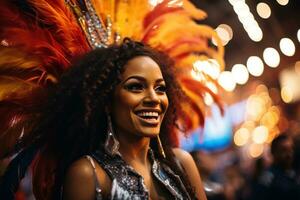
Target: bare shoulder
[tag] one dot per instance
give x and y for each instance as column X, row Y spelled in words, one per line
column 183, row 156
column 191, row 170
column 186, row 160
column 79, row 183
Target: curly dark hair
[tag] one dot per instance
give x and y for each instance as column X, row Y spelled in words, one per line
column 78, row 103
column 74, row 122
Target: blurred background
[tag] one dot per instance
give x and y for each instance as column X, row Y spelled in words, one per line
column 260, row 87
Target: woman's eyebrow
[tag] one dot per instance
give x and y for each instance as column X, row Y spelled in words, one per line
column 160, row 80
column 135, row 77
column 141, row 78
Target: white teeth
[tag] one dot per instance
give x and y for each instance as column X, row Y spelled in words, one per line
column 148, row 114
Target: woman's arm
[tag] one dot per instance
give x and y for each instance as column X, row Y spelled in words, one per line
column 80, row 183
column 192, row 172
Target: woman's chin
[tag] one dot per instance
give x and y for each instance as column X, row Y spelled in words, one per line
column 149, row 132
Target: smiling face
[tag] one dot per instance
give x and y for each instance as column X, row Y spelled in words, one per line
column 140, row 100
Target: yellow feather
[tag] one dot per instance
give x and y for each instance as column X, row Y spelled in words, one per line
column 193, row 11
column 11, row 86
column 12, row 57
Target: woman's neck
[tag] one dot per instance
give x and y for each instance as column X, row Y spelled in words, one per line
column 133, row 148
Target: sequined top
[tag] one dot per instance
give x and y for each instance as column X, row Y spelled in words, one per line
column 127, row 184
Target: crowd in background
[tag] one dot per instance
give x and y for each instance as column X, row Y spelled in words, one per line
column 275, row 175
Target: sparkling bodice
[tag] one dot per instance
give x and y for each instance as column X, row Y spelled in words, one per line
column 128, row 184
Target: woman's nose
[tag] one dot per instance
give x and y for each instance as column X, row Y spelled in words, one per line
column 151, row 97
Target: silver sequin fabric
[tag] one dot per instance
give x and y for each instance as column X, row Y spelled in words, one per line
column 127, row 184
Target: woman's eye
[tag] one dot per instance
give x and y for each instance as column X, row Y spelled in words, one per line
column 161, row 89
column 136, row 87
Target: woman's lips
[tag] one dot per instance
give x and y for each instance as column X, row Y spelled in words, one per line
column 149, row 117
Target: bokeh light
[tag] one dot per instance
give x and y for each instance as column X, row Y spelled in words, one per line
column 212, row 87
column 297, row 67
column 287, row 94
column 197, row 75
column 255, row 66
column 226, row 81
column 283, row 2
column 228, row 29
column 298, row 35
column 255, row 107
column 249, row 124
column 241, row 136
column 155, row 2
column 263, row 10
column 287, row 46
column 261, row 88
column 247, row 19
column 208, row 100
column 256, row 150
column 210, row 67
column 225, row 33
column 253, row 31
column 260, row 134
column 269, row 119
column 240, row 73
column 232, row 2
column 271, row 57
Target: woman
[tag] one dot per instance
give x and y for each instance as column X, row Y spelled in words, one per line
column 140, row 96
column 99, row 134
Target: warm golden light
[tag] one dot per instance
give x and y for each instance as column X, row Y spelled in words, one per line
column 240, row 73
column 275, row 109
column 283, row 2
column 266, row 99
column 226, row 81
column 269, row 119
column 254, row 31
column 271, row 57
column 214, row 70
column 255, row 66
column 210, row 67
column 250, row 125
column 228, row 29
column 232, row 2
column 298, row 35
column 197, row 75
column 260, row 134
column 261, row 88
column 247, row 19
column 287, row 94
column 208, row 100
column 263, row 10
column 154, row 2
column 287, row 46
column 255, row 150
column 225, row 33
column 272, row 134
column 255, row 107
column 297, row 67
column 241, row 136
column 240, row 7
column 212, row 87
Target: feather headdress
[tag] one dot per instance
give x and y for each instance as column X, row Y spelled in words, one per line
column 40, row 38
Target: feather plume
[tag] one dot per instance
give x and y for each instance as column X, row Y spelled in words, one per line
column 39, row 39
